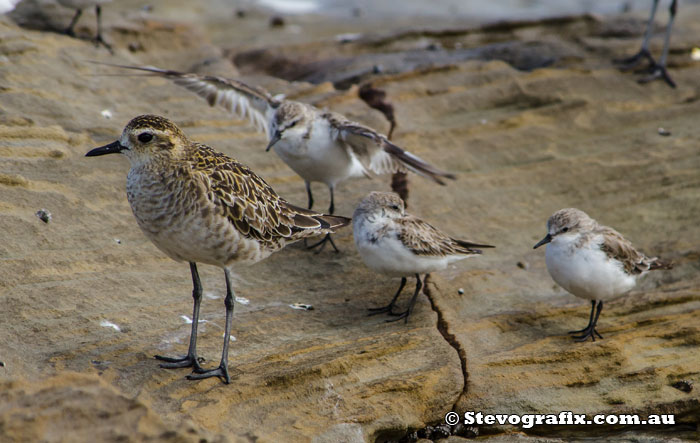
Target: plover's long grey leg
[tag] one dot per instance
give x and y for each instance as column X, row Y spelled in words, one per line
column 222, row 369
column 633, row 61
column 390, row 307
column 590, row 331
column 658, row 70
column 190, row 360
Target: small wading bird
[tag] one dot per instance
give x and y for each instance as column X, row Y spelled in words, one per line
column 397, row 244
column 592, row 262
column 656, row 69
column 79, row 5
column 200, row 206
column 320, row 146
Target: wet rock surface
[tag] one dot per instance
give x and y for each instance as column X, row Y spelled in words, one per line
column 88, row 300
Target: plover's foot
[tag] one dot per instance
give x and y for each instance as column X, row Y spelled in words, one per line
column 658, row 72
column 220, row 371
column 629, row 63
column 180, row 362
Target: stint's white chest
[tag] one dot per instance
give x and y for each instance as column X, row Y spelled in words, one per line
column 382, row 250
column 586, row 271
column 317, row 156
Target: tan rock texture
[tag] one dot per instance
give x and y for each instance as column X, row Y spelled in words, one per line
column 524, row 143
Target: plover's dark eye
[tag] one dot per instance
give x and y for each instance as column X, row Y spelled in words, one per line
column 395, row 207
column 292, row 124
column 566, row 229
column 145, row 137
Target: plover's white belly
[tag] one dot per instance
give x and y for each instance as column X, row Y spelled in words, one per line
column 587, row 272
column 188, row 227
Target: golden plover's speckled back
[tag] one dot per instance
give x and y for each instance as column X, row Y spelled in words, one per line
column 198, row 205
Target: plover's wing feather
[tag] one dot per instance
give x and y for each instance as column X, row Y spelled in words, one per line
column 377, row 153
column 616, row 247
column 421, row 238
column 251, row 102
column 250, row 204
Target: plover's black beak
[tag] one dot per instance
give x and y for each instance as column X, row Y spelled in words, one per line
column 112, row 148
column 275, row 138
column 547, row 238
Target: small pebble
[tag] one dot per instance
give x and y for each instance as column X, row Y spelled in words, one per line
column 460, row 291
column 276, row 22
column 426, row 432
column 683, row 385
column 230, row 337
column 135, row 47
column 117, row 241
column 2, row 364
column 241, row 13
column 43, row 215
column 301, row 306
column 695, row 54
column 106, row 113
column 664, row 132
column 242, row 300
column 470, row 432
column 441, row 431
column 523, row 265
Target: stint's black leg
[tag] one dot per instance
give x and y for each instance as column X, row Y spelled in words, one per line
column 408, row 311
column 69, row 30
column 633, row 61
column 590, row 331
column 98, row 39
column 590, row 320
column 328, row 237
column 390, row 307
column 190, row 360
column 322, row 244
column 309, row 195
column 222, row 369
column 658, row 70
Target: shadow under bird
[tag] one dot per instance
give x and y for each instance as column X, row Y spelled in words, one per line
column 398, row 244
column 655, row 70
column 200, row 206
column 592, row 262
column 320, row 146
